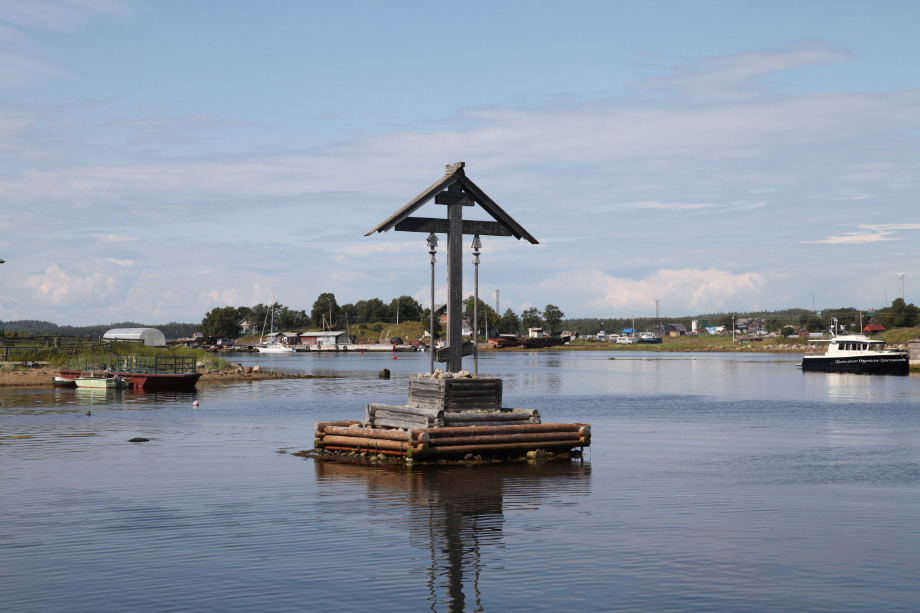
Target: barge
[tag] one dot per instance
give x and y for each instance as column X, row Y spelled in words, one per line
column 148, row 373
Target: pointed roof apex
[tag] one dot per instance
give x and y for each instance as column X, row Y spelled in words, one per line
column 453, row 169
column 454, row 173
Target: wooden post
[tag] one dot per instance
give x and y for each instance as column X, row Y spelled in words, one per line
column 454, row 283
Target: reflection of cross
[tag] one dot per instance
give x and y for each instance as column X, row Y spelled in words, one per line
column 455, row 190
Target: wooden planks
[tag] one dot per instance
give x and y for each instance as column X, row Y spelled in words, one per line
column 455, row 394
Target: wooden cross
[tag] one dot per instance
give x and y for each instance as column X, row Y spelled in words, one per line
column 455, row 190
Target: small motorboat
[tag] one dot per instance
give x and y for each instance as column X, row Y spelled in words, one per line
column 63, row 382
column 94, row 381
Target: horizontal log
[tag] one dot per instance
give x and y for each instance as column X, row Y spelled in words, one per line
column 507, row 422
column 456, row 407
column 477, row 449
column 364, row 443
column 488, row 439
column 397, row 423
column 461, row 430
column 460, row 405
column 393, row 435
column 383, row 451
column 321, row 425
column 455, row 394
column 401, row 408
column 421, row 421
column 455, row 382
column 435, row 405
column 479, row 416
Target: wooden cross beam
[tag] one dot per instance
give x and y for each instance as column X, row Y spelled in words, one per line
column 456, row 191
column 441, row 226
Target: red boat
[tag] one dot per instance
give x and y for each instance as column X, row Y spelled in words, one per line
column 152, row 374
column 506, row 340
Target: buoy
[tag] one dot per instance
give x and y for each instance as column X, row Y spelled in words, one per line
column 195, row 404
column 394, row 357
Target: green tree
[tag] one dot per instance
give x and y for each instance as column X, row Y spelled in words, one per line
column 552, row 316
column 426, row 319
column 291, row 319
column 221, row 322
column 509, row 323
column 813, row 324
column 325, row 310
column 486, row 313
column 349, row 313
column 404, row 308
column 899, row 315
column 530, row 318
column 370, row 311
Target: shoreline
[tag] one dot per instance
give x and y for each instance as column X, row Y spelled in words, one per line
column 41, row 377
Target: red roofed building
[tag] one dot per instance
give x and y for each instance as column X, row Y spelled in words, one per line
column 870, row 328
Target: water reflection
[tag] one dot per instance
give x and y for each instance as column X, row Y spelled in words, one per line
column 457, row 514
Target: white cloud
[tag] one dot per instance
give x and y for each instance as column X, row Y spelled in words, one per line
column 113, row 238
column 679, row 290
column 227, row 297
column 362, row 250
column 53, row 14
column 653, row 204
column 123, row 263
column 868, row 234
column 729, row 75
column 60, row 288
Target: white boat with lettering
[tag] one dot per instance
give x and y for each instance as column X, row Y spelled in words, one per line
column 857, row 353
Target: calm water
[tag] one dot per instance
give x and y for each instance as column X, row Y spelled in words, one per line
column 715, row 482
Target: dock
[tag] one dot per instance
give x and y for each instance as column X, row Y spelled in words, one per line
column 454, row 418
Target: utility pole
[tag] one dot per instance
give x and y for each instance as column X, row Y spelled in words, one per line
column 498, row 310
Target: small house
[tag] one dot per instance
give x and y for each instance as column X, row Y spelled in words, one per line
column 324, row 338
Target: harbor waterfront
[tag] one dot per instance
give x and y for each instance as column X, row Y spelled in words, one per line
column 714, row 481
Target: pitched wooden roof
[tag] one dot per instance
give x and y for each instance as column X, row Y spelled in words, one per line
column 455, row 174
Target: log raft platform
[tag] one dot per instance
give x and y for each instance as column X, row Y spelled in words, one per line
column 449, row 419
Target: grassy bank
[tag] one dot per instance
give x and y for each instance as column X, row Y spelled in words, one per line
column 58, row 358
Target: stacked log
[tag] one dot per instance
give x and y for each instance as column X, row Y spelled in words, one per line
column 447, row 442
column 352, row 436
column 521, row 438
column 500, row 417
column 454, row 393
column 403, row 416
column 409, row 417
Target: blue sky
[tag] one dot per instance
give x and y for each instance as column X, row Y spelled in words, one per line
column 158, row 159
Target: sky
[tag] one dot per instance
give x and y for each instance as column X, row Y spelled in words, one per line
column 160, row 159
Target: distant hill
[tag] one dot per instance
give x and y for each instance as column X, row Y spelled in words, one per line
column 172, row 330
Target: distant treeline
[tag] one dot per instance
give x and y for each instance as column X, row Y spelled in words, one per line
column 225, row 321
column 32, row 327
column 898, row 315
